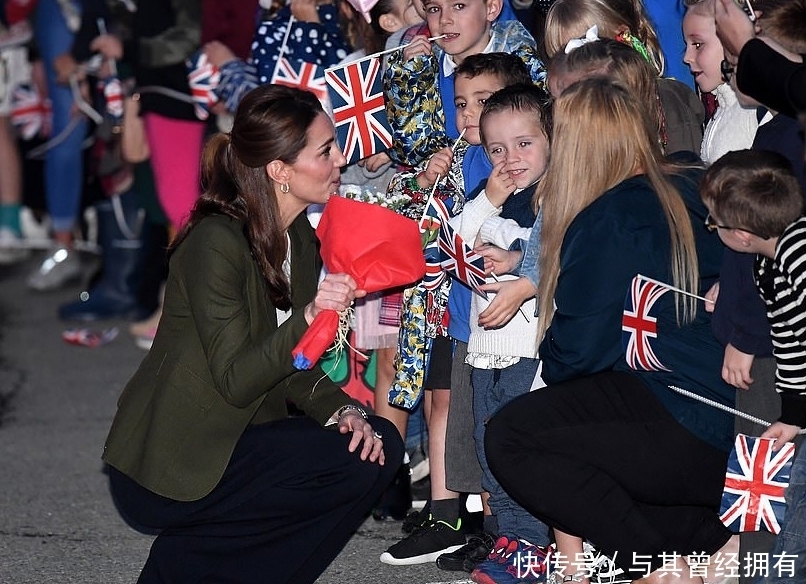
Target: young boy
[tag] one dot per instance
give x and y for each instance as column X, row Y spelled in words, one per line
column 739, row 319
column 514, row 127
column 756, row 206
column 732, row 127
column 454, row 466
column 418, row 83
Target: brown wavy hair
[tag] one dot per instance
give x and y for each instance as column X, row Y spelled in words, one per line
column 271, row 123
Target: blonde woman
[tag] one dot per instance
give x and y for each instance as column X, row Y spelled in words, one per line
column 608, row 452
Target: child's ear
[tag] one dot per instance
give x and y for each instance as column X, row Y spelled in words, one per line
column 746, row 239
column 494, row 9
column 390, row 23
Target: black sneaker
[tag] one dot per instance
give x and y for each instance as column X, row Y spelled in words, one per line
column 467, row 557
column 425, row 544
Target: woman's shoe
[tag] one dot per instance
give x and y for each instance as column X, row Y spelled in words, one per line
column 395, row 501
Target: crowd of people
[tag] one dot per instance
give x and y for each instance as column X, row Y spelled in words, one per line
column 632, row 175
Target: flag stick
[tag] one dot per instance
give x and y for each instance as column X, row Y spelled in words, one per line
column 113, row 68
column 674, row 288
column 379, row 54
column 520, row 308
column 282, row 48
column 436, row 182
column 751, row 14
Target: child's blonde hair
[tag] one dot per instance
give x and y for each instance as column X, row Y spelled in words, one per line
column 582, row 170
column 622, row 64
column 570, row 19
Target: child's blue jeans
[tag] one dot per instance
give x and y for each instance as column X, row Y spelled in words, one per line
column 791, row 568
column 492, row 389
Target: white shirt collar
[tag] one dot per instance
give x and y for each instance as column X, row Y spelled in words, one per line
column 449, row 65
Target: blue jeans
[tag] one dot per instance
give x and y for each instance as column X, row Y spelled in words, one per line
column 64, row 168
column 790, row 569
column 493, row 389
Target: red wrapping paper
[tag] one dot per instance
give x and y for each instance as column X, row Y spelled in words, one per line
column 377, row 247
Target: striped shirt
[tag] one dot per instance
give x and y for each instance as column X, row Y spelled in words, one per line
column 782, row 284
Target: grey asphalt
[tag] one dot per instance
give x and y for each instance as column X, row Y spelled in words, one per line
column 57, row 521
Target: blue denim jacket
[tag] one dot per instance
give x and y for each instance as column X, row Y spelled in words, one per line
column 530, row 266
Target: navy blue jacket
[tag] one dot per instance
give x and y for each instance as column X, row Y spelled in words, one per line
column 620, row 235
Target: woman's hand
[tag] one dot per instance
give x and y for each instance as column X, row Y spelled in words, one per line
column 733, row 26
column 352, row 421
column 419, row 45
column 782, row 433
column 712, row 295
column 509, row 296
column 336, row 292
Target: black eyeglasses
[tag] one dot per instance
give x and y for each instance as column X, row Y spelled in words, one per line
column 727, row 70
column 712, row 225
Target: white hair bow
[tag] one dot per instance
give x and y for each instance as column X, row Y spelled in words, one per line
column 592, row 35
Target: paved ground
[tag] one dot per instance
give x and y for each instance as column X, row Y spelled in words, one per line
column 57, row 521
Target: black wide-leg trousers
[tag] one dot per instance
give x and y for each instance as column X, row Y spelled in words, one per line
column 287, row 504
column 601, row 458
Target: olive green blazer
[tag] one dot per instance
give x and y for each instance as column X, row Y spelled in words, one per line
column 218, row 363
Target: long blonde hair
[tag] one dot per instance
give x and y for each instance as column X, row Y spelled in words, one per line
column 570, row 19
column 583, row 168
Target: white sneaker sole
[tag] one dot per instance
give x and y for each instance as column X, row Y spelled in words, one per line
column 387, row 558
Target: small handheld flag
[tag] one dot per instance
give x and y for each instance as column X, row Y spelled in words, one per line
column 753, row 498
column 359, row 109
column 203, row 78
column 639, row 327
column 302, row 75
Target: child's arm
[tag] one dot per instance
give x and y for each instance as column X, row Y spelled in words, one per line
column 423, row 178
column 414, row 108
column 736, row 367
column 237, row 77
column 736, row 364
column 790, row 381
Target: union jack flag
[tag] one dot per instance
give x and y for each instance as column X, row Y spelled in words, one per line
column 359, row 111
column 307, row 76
column 638, row 327
column 203, row 78
column 755, row 481
column 434, row 215
column 459, row 259
column 30, row 115
column 113, row 95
